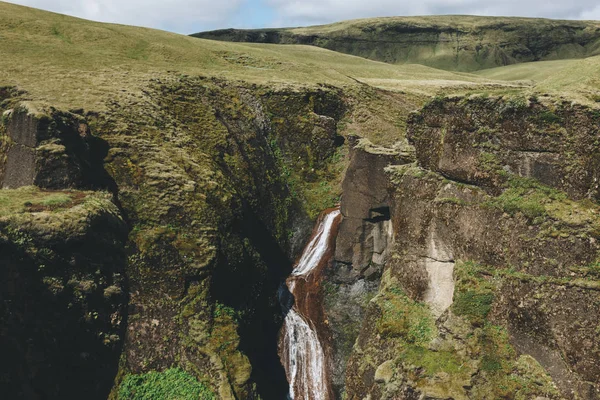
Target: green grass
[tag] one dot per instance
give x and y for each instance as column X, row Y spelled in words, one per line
column 528, row 197
column 172, row 384
column 20, row 200
column 575, row 79
column 86, row 63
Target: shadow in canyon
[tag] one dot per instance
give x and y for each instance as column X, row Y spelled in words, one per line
column 250, row 284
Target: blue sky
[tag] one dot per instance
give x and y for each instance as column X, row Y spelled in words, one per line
column 189, row 16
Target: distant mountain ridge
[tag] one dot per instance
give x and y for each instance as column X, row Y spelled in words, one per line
column 456, row 43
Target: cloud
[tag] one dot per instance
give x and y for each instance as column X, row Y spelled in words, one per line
column 592, row 14
column 187, row 16
column 183, row 16
column 300, row 12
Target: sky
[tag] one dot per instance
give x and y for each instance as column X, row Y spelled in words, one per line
column 190, row 16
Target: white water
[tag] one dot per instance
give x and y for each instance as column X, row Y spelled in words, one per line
column 306, row 358
column 304, row 353
column 316, row 248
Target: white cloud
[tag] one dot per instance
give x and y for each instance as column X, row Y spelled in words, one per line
column 187, row 16
column 592, row 14
column 183, row 16
column 299, row 12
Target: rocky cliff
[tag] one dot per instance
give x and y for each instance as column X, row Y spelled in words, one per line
column 458, row 43
column 489, row 286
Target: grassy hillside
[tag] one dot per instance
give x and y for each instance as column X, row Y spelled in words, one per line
column 460, row 43
column 573, row 79
column 72, row 62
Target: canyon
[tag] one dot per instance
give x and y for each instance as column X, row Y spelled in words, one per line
column 257, row 221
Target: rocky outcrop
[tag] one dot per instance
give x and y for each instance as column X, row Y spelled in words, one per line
column 483, row 249
column 480, row 140
column 362, row 245
column 447, row 42
column 63, row 293
column 49, row 149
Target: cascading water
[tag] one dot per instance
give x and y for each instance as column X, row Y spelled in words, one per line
column 301, row 341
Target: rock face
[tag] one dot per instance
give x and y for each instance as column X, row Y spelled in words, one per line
column 51, row 150
column 446, row 42
column 362, row 247
column 484, row 248
column 62, row 296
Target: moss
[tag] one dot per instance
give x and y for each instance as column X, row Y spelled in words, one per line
column 404, row 318
column 474, row 292
column 473, row 304
column 33, row 199
column 173, row 384
column 506, row 375
column 434, row 362
column 526, row 196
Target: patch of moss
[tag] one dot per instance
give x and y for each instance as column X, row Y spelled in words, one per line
column 473, row 304
column 433, row 362
column 404, row 318
column 172, row 384
column 474, row 292
column 526, row 196
column 506, row 375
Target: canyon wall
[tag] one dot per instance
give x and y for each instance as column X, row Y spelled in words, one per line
column 160, row 230
column 490, row 286
column 217, row 186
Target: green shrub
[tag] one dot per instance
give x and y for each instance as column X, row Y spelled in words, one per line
column 172, row 384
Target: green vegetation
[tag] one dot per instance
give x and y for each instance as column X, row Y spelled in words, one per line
column 575, row 79
column 404, row 318
column 27, row 199
column 91, row 62
column 473, row 304
column 526, row 196
column 172, row 384
column 434, row 362
column 506, row 375
column 474, row 292
column 434, row 40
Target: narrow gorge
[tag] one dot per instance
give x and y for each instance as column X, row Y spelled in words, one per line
column 182, row 218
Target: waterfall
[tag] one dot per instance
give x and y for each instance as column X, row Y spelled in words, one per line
column 301, row 348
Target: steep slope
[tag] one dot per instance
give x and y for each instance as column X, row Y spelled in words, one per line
column 457, row 43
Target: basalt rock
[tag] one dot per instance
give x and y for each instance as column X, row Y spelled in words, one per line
column 62, row 298
column 491, row 283
column 52, row 150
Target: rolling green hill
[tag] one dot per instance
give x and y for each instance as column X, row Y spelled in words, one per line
column 458, row 43
column 84, row 63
